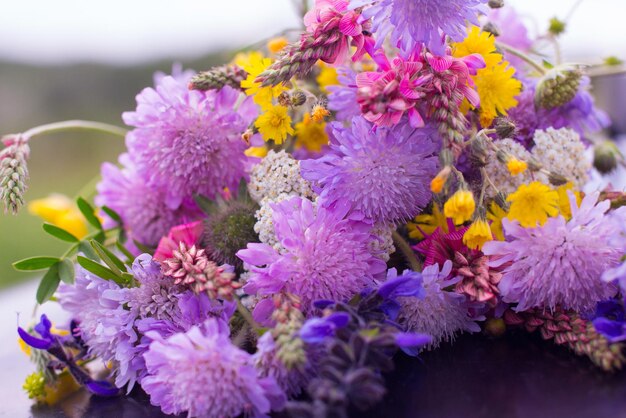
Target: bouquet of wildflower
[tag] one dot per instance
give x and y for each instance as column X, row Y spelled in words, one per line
column 282, row 225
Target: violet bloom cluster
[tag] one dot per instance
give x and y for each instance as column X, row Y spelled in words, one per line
column 326, row 256
column 381, row 174
column 185, row 142
column 561, row 262
column 411, row 22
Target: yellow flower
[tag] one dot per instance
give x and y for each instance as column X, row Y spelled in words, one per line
column 460, row 207
column 564, row 205
column 59, row 210
column 244, row 59
column 477, row 234
column 319, row 112
column 327, row 77
column 310, row 134
column 516, row 166
column 258, row 152
column 478, row 42
column 275, row 124
column 497, row 90
column 495, row 214
column 254, row 66
column 427, row 223
column 436, row 184
column 533, row 203
column 275, row 45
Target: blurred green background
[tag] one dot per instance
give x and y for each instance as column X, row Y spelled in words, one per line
column 65, row 163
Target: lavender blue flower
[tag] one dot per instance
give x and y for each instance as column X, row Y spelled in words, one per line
column 382, row 174
column 561, row 262
column 201, row 373
column 610, row 320
column 421, row 21
column 188, row 142
column 343, row 97
column 326, row 256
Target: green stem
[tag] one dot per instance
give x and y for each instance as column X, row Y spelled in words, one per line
column 73, row 125
column 522, row 55
column 407, row 251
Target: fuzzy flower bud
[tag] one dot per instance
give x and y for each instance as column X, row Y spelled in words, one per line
column 298, row 98
column 558, row 87
column 496, row 4
column 505, row 128
column 218, row 77
column 35, row 385
column 492, row 28
column 606, row 156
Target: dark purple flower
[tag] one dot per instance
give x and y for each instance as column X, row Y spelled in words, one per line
column 316, row 330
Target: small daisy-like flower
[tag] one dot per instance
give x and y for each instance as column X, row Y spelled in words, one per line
column 460, row 207
column 59, row 210
column 533, row 203
column 426, row 223
column 310, row 134
column 477, row 234
column 497, row 90
column 478, row 42
column 255, row 65
column 275, row 124
column 516, row 166
column 564, row 205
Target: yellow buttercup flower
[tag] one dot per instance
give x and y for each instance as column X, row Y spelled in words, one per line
column 495, row 214
column 262, row 96
column 275, row 45
column 258, row 152
column 516, row 166
column 478, row 42
column 327, row 77
column 533, row 203
column 564, row 204
column 59, row 210
column 427, row 223
column 460, row 207
column 497, row 90
column 275, row 124
column 310, row 134
column 245, row 59
column 477, row 234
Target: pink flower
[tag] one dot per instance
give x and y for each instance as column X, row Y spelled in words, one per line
column 189, row 233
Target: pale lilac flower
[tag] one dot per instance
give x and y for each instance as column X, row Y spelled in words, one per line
column 343, row 97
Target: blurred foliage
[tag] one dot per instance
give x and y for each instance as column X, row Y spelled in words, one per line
column 31, row 96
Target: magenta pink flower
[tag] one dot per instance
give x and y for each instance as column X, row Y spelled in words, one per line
column 188, row 233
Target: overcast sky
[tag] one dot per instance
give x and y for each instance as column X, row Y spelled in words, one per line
column 130, row 31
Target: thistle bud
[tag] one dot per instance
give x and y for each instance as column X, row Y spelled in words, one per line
column 496, row 4
column 556, row 179
column 534, row 165
column 298, row 98
column 478, row 151
column 501, row 201
column 503, row 156
column 505, row 128
column 606, row 156
column 558, row 87
column 284, row 99
column 492, row 28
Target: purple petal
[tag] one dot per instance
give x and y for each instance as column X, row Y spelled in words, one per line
column 102, row 388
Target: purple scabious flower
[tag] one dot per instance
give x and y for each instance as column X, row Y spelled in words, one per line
column 325, row 256
column 142, row 208
column 421, row 21
column 105, row 326
column 439, row 313
column 559, row 263
column 382, row 174
column 188, row 142
column 202, row 373
column 343, row 97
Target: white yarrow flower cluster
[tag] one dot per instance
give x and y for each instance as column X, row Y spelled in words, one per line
column 561, row 151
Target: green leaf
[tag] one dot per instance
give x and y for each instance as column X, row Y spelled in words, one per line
column 109, row 258
column 35, row 263
column 124, row 251
column 98, row 269
column 59, row 233
column 112, row 214
column 547, row 64
column 86, row 249
column 100, row 237
column 48, row 284
column 66, row 271
column 88, row 212
column 206, row 205
column 143, row 248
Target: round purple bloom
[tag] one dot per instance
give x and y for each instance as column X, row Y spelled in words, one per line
column 559, row 263
column 343, row 97
column 421, row 21
column 142, row 208
column 439, row 313
column 326, row 256
column 188, row 142
column 204, row 374
column 383, row 174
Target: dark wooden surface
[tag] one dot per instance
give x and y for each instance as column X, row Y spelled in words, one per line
column 516, row 376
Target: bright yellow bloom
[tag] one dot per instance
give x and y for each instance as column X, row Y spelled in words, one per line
column 275, row 124
column 477, row 234
column 318, row 113
column 533, row 203
column 427, row 223
column 516, row 166
column 436, row 184
column 497, row 90
column 327, row 77
column 244, row 59
column 254, row 66
column 275, row 45
column 564, row 205
column 495, row 214
column 258, row 152
column 478, row 42
column 59, row 210
column 310, row 134
column 460, row 207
